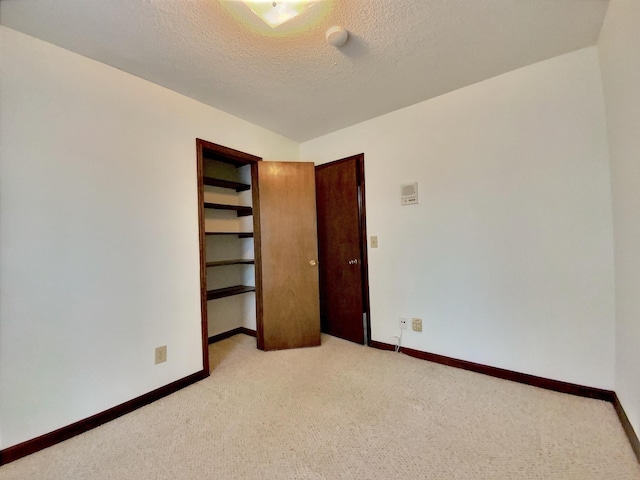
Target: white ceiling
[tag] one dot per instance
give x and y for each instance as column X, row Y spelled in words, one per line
column 289, row 80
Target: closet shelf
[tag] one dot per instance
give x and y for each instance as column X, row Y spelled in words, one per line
column 239, row 261
column 239, row 234
column 229, row 291
column 216, row 182
column 242, row 210
column 237, row 159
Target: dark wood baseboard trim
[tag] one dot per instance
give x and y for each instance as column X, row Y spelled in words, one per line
column 381, row 345
column 626, row 425
column 223, row 335
column 231, row 333
column 248, row 331
column 31, row 446
column 556, row 385
column 541, row 382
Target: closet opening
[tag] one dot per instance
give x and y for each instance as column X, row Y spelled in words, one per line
column 227, row 247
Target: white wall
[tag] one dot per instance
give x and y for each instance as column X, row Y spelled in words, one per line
column 508, row 256
column 99, row 233
column 619, row 47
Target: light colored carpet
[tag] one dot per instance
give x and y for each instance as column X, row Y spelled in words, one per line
column 343, row 411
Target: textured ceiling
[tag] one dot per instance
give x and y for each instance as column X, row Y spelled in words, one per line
column 289, row 80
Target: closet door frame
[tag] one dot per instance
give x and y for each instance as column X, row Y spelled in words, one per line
column 214, row 151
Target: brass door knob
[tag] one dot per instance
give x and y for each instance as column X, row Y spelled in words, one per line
column 313, row 263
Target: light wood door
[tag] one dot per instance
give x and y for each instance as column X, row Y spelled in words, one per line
column 288, row 306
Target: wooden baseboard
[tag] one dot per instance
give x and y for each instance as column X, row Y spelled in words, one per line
column 31, row 446
column 626, row 425
column 248, row 331
column 231, row 333
column 556, row 385
column 541, row 382
column 381, row 345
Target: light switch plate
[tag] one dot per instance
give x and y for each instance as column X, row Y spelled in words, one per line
column 374, row 241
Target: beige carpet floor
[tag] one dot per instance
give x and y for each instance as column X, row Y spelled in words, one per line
column 343, row 411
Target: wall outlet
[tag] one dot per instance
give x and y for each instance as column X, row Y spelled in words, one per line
column 403, row 323
column 416, row 324
column 161, row 354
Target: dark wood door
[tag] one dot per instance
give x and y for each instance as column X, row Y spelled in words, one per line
column 342, row 248
column 285, row 235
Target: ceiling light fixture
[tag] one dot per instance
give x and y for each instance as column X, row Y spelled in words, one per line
column 275, row 13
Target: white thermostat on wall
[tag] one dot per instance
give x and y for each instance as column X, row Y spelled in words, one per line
column 409, row 194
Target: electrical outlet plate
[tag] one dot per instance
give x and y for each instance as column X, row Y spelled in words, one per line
column 416, row 324
column 403, row 323
column 161, row 354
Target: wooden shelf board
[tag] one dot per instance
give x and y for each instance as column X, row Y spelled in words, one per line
column 239, row 261
column 241, row 209
column 229, row 291
column 239, row 234
column 216, row 182
column 211, row 155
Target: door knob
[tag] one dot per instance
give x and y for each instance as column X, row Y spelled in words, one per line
column 353, row 262
column 313, row 263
